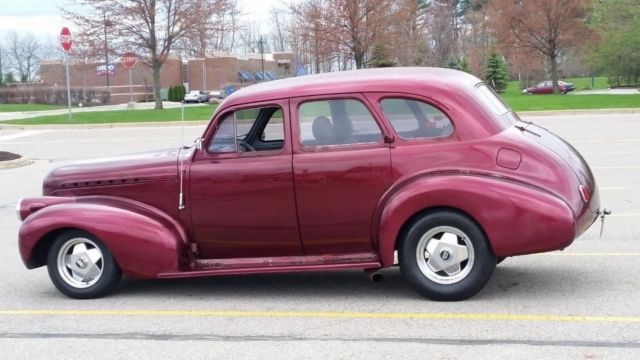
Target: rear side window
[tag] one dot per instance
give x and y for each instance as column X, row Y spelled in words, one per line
column 491, row 101
column 412, row 119
column 337, row 122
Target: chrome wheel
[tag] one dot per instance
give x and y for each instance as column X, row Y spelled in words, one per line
column 445, row 255
column 80, row 262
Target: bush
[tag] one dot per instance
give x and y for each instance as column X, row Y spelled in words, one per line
column 176, row 93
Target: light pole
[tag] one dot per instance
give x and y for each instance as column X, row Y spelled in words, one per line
column 1, row 73
column 262, row 56
column 106, row 46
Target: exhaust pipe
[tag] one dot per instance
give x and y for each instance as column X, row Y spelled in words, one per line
column 374, row 275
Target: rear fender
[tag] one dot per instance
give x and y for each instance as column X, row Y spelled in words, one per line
column 517, row 218
column 144, row 241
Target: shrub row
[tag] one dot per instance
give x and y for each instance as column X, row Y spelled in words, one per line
column 40, row 94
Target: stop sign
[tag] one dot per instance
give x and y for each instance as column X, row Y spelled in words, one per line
column 65, row 38
column 129, row 60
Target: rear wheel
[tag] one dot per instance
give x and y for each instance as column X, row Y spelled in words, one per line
column 445, row 256
column 81, row 266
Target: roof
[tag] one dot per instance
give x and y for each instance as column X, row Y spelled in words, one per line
column 366, row 80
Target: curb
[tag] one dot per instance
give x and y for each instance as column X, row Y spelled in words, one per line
column 622, row 111
column 205, row 122
column 104, row 126
column 11, row 164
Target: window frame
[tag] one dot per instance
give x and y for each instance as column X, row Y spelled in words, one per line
column 298, row 147
column 219, row 116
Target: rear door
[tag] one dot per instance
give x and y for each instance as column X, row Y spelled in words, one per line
column 341, row 168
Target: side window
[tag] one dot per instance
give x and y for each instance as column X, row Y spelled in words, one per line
column 413, row 119
column 259, row 129
column 337, row 122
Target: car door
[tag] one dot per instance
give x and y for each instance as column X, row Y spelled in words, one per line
column 341, row 168
column 241, row 186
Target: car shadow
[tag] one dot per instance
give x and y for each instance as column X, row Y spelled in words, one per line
column 509, row 281
column 305, row 284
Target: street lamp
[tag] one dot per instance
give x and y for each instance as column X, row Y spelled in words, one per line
column 106, row 23
column 262, row 56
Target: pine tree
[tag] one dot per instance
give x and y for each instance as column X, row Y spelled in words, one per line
column 495, row 72
column 380, row 58
column 172, row 94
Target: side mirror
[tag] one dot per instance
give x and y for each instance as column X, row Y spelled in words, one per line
column 198, row 143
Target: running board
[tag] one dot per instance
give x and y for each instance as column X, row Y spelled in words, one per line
column 214, row 267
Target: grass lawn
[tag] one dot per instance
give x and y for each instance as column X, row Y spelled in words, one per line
column 28, row 107
column 524, row 102
column 121, row 116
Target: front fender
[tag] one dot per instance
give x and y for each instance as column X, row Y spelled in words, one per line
column 144, row 241
column 517, row 218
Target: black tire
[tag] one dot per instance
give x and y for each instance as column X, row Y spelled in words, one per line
column 110, row 273
column 474, row 273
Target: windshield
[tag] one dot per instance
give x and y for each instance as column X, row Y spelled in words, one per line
column 492, row 102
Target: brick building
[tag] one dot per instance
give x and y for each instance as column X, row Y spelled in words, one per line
column 214, row 72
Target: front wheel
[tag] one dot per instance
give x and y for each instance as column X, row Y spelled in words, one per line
column 445, row 256
column 81, row 266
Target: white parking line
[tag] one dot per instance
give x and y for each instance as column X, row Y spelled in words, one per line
column 604, row 141
column 23, row 134
column 615, row 167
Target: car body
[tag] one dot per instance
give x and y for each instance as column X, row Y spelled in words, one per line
column 322, row 172
column 195, row 96
column 546, row 87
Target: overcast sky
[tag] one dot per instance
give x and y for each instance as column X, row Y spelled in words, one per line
column 42, row 17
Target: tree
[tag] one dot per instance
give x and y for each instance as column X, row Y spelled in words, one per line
column 547, row 26
column 23, row 55
column 617, row 54
column 214, row 30
column 380, row 58
column 355, row 24
column 9, row 78
column 149, row 27
column 495, row 73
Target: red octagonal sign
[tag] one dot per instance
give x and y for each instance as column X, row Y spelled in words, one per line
column 65, row 38
column 129, row 60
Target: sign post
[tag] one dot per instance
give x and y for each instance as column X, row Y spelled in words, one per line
column 129, row 61
column 66, row 40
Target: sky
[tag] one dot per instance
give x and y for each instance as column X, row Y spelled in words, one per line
column 43, row 18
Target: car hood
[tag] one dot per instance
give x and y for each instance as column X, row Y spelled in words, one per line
column 112, row 171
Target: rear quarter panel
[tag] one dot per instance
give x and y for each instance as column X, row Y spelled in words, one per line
column 517, row 219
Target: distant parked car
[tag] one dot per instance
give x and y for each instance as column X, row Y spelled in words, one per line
column 546, row 87
column 216, row 95
column 195, row 96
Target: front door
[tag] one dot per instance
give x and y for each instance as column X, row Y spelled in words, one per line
column 241, row 186
column 342, row 168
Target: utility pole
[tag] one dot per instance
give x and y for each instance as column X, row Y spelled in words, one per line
column 106, row 46
column 1, row 73
column 262, row 56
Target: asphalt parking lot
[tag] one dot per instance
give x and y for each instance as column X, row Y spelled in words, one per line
column 583, row 303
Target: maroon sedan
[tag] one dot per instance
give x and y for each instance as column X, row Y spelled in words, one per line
column 546, row 87
column 334, row 171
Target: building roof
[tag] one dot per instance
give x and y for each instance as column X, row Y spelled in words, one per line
column 368, row 80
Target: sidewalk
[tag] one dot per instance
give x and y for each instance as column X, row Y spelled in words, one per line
column 4, row 116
